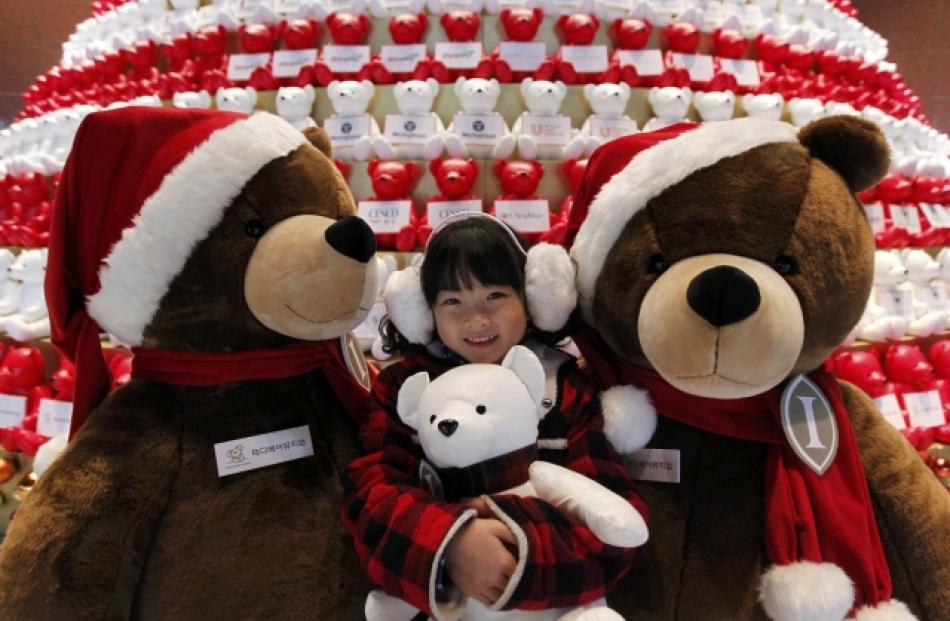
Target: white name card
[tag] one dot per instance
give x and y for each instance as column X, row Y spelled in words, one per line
column 522, row 56
column 479, row 129
column 438, row 211
column 891, row 410
column 54, row 417
column 459, row 55
column 586, row 58
column 547, row 130
column 646, row 62
column 409, row 128
column 660, row 465
column 266, row 449
column 402, row 58
column 608, row 129
column 699, row 66
column 241, row 66
column 746, row 71
column 385, row 216
column 12, row 410
column 288, row 63
column 525, row 216
column 345, row 58
column 875, row 214
column 906, row 217
column 924, row 409
column 347, row 129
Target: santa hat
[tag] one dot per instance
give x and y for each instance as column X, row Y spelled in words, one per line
column 625, row 174
column 141, row 188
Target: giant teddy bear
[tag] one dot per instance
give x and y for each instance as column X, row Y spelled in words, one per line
column 224, row 249
column 718, row 267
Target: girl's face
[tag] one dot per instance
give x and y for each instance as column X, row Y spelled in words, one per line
column 482, row 323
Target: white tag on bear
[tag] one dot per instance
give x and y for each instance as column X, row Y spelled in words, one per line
column 346, row 129
column 522, row 55
column 241, row 66
column 54, row 417
column 459, row 55
column 659, row 465
column 345, row 58
column 478, row 129
column 608, row 129
column 586, row 58
column 409, row 128
column 402, row 58
column 646, row 62
column 924, row 409
column 547, row 130
column 745, row 71
column 890, row 409
column 385, row 216
column 525, row 216
column 288, row 63
column 438, row 211
column 12, row 410
column 266, row 449
column 875, row 214
column 699, row 66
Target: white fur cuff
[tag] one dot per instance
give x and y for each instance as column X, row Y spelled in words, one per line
column 407, row 307
column 629, row 417
column 806, row 591
column 892, row 610
column 549, row 286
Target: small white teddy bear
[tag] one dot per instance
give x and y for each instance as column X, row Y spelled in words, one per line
column 352, row 130
column 931, row 311
column 541, row 132
column 715, row 106
column 236, row 99
column 192, row 99
column 417, row 132
column 478, row 131
column 763, row 106
column 30, row 321
column 805, row 110
column 670, row 105
column 890, row 308
column 294, row 104
column 9, row 286
column 608, row 101
column 477, row 412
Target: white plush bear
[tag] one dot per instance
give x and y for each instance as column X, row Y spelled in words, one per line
column 478, row 131
column 31, row 320
column 834, row 108
column 930, row 308
column 715, row 106
column 890, row 309
column 763, row 106
column 236, row 99
column 670, row 105
column 476, row 412
column 192, row 99
column 294, row 104
column 805, row 110
column 9, row 286
column 608, row 101
column 352, row 130
column 540, row 131
column 419, row 134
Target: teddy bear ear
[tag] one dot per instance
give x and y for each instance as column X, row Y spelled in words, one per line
column 434, row 165
column 459, row 87
column 433, row 86
column 538, row 168
column 589, row 91
column 561, row 21
column 251, row 93
column 371, row 167
column 505, row 14
column 538, row 14
column 499, row 167
column 423, row 20
column 526, row 87
column 407, row 403
column 523, row 363
column 333, row 88
column 319, row 138
column 855, row 148
column 625, row 90
column 368, row 87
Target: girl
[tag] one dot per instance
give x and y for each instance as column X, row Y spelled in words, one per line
column 483, row 294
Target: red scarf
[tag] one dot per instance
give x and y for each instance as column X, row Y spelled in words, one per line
column 203, row 369
column 808, row 517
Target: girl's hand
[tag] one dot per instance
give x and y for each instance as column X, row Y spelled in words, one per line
column 478, row 561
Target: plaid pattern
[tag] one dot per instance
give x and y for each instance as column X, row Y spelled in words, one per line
column 398, row 526
column 487, row 477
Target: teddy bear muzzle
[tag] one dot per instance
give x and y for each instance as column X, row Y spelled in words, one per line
column 312, row 278
column 704, row 319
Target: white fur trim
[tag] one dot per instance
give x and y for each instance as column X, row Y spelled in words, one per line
column 892, row 610
column 452, row 610
column 806, row 591
column 188, row 204
column 522, row 553
column 48, row 453
column 549, row 286
column 629, row 417
column 407, row 307
column 649, row 174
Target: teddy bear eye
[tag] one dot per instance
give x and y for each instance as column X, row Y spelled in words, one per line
column 432, row 419
column 254, row 228
column 785, row 265
column 658, row 264
column 480, row 409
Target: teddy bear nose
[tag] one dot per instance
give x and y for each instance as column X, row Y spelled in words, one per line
column 352, row 237
column 723, row 295
column 448, row 426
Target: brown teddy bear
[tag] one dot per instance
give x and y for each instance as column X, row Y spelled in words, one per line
column 224, row 249
column 718, row 266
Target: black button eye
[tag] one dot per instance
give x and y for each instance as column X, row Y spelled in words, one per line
column 658, row 264
column 785, row 265
column 255, row 228
column 432, row 419
column 480, row 409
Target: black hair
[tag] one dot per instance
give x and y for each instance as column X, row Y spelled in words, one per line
column 469, row 250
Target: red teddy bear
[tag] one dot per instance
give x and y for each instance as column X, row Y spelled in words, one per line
column 408, row 29
column 521, row 25
column 455, row 179
column 393, row 181
column 573, row 171
column 519, row 183
column 463, row 27
column 345, row 29
column 580, row 29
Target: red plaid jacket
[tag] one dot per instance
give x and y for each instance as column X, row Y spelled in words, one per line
column 399, row 527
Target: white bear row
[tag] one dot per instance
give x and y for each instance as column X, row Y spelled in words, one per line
column 41, row 144
column 814, row 23
column 909, row 296
column 23, row 313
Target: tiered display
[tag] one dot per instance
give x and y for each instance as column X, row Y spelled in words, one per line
column 426, row 104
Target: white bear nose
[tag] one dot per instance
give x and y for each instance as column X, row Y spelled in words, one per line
column 447, row 427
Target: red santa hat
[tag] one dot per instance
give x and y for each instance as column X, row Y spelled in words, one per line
column 625, row 174
column 141, row 188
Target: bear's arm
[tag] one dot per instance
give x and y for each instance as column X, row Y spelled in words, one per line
column 567, row 565
column 912, row 509
column 77, row 544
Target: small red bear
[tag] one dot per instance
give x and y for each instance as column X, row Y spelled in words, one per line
column 522, row 25
column 408, row 29
column 345, row 29
column 573, row 171
column 519, row 182
column 580, row 29
column 463, row 27
column 455, row 179
column 393, row 181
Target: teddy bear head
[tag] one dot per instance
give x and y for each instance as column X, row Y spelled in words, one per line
column 416, row 96
column 715, row 105
column 543, row 96
column 805, row 110
column 295, row 102
column 764, row 106
column 349, row 96
column 460, row 26
column 392, row 180
column 607, row 99
column 780, row 273
column 521, row 24
column 236, row 99
column 670, row 102
column 192, row 99
column 921, row 268
column 579, row 28
column 299, row 34
column 211, row 40
column 630, row 33
column 257, row 38
column 906, row 363
column 408, row 28
column 889, row 270
column 520, row 178
column 475, row 412
column 477, row 95
column 454, row 177
column 30, row 266
column 347, row 28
